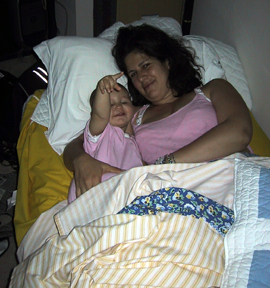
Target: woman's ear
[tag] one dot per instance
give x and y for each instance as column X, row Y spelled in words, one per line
column 167, row 64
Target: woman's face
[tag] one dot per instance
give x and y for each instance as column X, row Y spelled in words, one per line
column 149, row 76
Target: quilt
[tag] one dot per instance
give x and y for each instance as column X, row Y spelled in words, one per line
column 247, row 244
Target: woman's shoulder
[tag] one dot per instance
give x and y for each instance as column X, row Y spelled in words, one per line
column 215, row 86
column 138, row 114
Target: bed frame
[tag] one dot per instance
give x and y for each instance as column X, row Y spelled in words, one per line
column 107, row 12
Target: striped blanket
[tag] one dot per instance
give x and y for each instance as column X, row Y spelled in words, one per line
column 87, row 244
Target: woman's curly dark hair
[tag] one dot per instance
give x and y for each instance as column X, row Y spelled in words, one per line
column 184, row 73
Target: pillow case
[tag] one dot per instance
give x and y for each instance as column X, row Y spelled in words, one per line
column 220, row 61
column 74, row 65
column 232, row 66
column 207, row 57
column 167, row 24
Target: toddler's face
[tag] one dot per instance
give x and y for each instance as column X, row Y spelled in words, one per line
column 122, row 109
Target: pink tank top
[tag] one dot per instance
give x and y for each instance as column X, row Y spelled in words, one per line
column 176, row 131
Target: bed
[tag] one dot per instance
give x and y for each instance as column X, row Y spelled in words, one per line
column 89, row 243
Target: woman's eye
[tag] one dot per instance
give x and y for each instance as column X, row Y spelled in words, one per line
column 132, row 74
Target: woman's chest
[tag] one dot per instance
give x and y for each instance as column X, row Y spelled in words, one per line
column 195, row 113
column 155, row 113
column 173, row 132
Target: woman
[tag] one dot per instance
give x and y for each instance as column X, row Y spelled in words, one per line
column 176, row 123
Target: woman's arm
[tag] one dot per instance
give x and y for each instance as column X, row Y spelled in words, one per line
column 87, row 170
column 233, row 132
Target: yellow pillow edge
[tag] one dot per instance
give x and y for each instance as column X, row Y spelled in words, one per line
column 36, row 197
column 260, row 143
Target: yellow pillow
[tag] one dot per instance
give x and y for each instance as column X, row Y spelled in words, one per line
column 43, row 178
column 260, row 143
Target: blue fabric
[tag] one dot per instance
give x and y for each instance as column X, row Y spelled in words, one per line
column 264, row 194
column 186, row 203
column 259, row 275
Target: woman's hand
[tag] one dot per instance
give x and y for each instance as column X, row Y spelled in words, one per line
column 87, row 170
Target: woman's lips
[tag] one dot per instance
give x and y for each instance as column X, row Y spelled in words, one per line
column 147, row 86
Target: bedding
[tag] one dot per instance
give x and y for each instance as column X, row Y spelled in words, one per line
column 118, row 254
column 230, row 63
column 89, row 242
column 38, row 179
column 247, row 244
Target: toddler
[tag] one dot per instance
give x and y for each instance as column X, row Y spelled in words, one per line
column 108, row 135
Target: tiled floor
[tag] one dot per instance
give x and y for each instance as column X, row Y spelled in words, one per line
column 8, row 259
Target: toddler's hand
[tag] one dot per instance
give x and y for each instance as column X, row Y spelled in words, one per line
column 109, row 83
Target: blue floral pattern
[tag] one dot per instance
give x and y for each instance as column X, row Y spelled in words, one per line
column 186, row 203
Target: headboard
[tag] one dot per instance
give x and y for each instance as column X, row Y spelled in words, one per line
column 107, row 12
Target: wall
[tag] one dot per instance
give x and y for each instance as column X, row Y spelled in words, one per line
column 168, row 8
column 245, row 25
column 74, row 17
column 65, row 14
column 84, row 11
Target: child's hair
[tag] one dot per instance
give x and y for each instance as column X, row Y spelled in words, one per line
column 93, row 94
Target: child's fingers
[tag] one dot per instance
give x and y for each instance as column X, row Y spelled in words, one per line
column 117, row 87
column 118, row 75
column 106, row 84
column 109, row 83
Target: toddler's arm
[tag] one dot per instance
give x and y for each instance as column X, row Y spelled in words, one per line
column 101, row 108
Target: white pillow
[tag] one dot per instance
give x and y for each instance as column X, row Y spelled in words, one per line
column 220, row 61
column 167, row 24
column 75, row 65
column 207, row 57
column 233, row 68
column 111, row 32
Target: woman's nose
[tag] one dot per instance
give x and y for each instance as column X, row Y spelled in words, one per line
column 141, row 76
